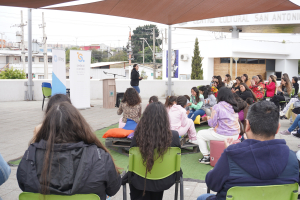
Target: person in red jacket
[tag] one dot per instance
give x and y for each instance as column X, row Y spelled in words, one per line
column 271, row 86
column 257, row 87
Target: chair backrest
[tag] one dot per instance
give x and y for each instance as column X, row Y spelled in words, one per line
column 161, row 168
column 293, row 92
column 36, row 196
column 46, row 89
column 274, row 192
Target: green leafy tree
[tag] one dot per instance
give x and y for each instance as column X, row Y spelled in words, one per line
column 298, row 66
column 197, row 71
column 97, row 56
column 12, row 73
column 148, row 55
column 118, row 56
column 68, row 53
column 141, row 32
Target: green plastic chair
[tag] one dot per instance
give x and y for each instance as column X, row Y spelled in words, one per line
column 292, row 94
column 161, row 168
column 46, row 89
column 36, row 196
column 272, row 192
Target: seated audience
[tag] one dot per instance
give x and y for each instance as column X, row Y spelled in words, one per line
column 224, row 123
column 4, row 170
column 130, row 106
column 209, row 99
column 212, row 81
column 253, row 161
column 257, row 86
column 236, row 86
column 188, row 101
column 180, row 122
column 295, row 124
column 295, row 85
column 271, row 86
column 241, row 104
column 245, row 80
column 170, row 101
column 284, row 92
column 52, row 101
column 286, row 76
column 153, row 99
column 246, row 92
column 150, row 134
column 196, row 104
column 294, row 98
column 67, row 158
column 218, row 80
column 228, row 82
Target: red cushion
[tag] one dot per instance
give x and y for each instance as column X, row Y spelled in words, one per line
column 117, row 133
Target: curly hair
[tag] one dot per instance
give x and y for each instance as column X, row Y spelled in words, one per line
column 153, row 132
column 131, row 97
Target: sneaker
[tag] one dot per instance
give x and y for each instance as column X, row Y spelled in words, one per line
column 283, row 117
column 297, row 135
column 285, row 132
column 205, row 160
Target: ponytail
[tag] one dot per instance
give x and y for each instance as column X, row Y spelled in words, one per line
column 170, row 100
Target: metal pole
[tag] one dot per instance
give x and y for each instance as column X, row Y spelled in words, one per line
column 45, row 50
column 154, row 64
column 2, row 41
column 143, row 53
column 235, row 68
column 169, row 61
column 29, row 83
column 23, row 43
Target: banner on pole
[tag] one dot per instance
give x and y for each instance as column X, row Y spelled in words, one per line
column 80, row 64
column 58, row 72
column 174, row 63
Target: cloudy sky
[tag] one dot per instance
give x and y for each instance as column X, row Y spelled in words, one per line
column 66, row 27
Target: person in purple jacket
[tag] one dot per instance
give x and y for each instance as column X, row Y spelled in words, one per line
column 259, row 160
column 224, row 123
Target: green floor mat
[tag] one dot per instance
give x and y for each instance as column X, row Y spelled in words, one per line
column 189, row 162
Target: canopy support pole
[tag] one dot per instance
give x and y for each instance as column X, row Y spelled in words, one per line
column 169, row 61
column 29, row 95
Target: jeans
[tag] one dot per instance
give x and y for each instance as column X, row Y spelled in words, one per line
column 295, row 124
column 204, row 196
column 136, row 88
column 194, row 113
column 4, row 170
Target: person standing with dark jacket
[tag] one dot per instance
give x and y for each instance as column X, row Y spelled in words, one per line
column 78, row 162
column 135, row 78
column 257, row 161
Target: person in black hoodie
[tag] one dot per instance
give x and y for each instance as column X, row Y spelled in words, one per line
column 246, row 92
column 295, row 84
column 153, row 132
column 259, row 160
column 67, row 158
column 135, row 78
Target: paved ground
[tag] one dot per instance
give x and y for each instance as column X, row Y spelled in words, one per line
column 18, row 119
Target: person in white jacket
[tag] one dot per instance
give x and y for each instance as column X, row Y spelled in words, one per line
column 180, row 122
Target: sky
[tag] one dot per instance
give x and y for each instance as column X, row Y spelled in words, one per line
column 65, row 27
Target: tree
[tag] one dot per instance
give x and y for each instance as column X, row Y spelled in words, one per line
column 141, row 32
column 68, row 53
column 97, row 56
column 118, row 56
column 12, row 73
column 197, row 71
column 298, row 66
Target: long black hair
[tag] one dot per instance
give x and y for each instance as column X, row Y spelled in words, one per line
column 170, row 100
column 204, row 90
column 225, row 94
column 247, row 88
column 246, row 77
column 182, row 101
column 197, row 94
column 134, row 67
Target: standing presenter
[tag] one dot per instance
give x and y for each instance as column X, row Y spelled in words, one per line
column 135, row 78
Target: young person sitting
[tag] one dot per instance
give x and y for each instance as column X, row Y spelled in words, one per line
column 209, row 99
column 236, row 86
column 150, row 134
column 228, row 82
column 196, row 104
column 253, row 161
column 180, row 122
column 257, row 86
column 284, row 92
column 130, row 106
column 292, row 127
column 170, row 101
column 67, row 158
column 218, row 80
column 241, row 104
column 153, row 99
column 295, row 84
column 224, row 123
column 245, row 80
column 246, row 92
column 271, row 86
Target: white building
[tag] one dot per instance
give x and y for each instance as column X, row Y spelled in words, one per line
column 254, row 56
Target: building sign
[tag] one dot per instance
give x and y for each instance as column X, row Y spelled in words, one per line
column 174, row 64
column 58, row 72
column 80, row 64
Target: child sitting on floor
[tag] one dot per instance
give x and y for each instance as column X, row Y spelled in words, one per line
column 180, row 122
column 170, row 101
column 209, row 99
column 196, row 104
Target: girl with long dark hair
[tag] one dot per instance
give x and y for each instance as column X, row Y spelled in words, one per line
column 152, row 133
column 218, row 80
column 224, row 123
column 135, row 78
column 284, row 92
column 130, row 106
column 246, row 92
column 67, row 158
column 246, row 80
column 170, row 101
column 209, row 99
column 236, row 86
column 196, row 103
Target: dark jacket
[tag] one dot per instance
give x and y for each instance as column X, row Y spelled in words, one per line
column 296, row 86
column 159, row 185
column 244, row 95
column 253, row 163
column 135, row 77
column 76, row 168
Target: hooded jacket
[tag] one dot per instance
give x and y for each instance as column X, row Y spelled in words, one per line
column 178, row 117
column 253, row 163
column 76, row 168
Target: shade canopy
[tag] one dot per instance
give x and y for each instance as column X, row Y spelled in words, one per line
column 165, row 11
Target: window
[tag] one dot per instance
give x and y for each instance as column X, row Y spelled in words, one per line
column 41, row 77
column 26, row 59
column 41, row 59
column 225, row 60
column 243, row 60
column 50, row 60
column 252, row 61
column 261, row 61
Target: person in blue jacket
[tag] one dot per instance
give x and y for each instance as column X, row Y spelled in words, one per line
column 259, row 160
column 196, row 103
column 4, row 171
